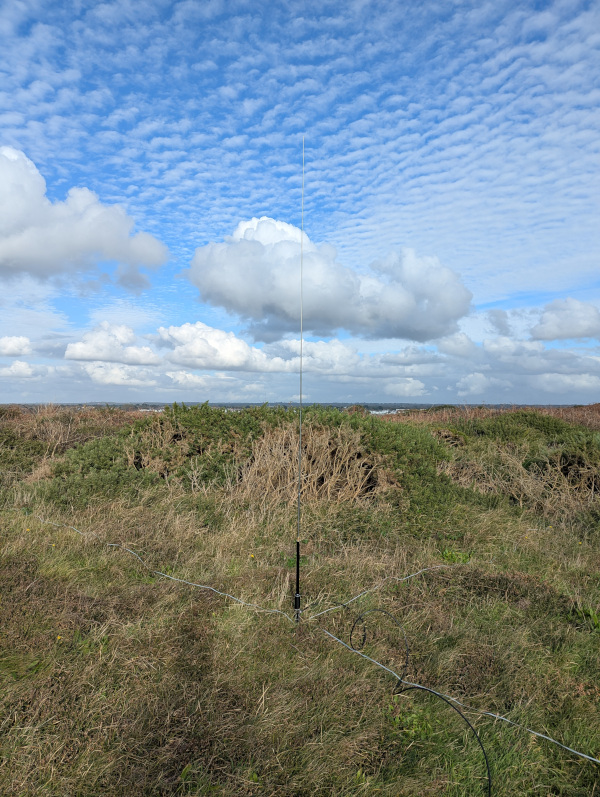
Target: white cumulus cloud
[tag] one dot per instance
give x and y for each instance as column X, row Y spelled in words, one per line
column 404, row 388
column 330, row 356
column 45, row 238
column 568, row 318
column 255, row 273
column 568, row 386
column 111, row 343
column 458, row 345
column 190, row 381
column 200, row 346
column 203, row 347
column 478, row 383
column 114, row 374
column 499, row 321
column 18, row 370
column 14, row 346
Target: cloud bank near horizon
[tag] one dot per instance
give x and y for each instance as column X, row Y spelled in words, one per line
column 182, row 360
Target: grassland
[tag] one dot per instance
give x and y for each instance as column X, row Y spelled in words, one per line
column 116, row 680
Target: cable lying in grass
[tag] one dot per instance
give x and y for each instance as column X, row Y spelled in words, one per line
column 453, row 700
column 343, row 605
column 166, row 575
column 398, row 579
column 409, row 685
column 405, row 687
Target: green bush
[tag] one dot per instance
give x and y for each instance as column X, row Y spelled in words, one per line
column 94, row 472
column 18, row 456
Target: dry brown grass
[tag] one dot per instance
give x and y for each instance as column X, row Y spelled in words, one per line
column 335, row 467
column 560, row 485
column 444, row 414
column 588, row 415
column 551, row 491
column 159, row 688
column 63, row 427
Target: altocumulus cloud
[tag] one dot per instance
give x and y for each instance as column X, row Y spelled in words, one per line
column 255, row 274
column 45, row 238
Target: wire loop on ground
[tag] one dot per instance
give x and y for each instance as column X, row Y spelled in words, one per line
column 402, row 684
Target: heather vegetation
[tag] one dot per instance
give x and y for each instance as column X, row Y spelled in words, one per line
column 118, row 680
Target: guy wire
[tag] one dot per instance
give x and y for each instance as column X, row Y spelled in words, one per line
column 400, row 679
column 297, row 595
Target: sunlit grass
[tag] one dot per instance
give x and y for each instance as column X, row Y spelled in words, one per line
column 118, row 681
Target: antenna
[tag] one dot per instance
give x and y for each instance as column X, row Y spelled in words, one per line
column 297, row 595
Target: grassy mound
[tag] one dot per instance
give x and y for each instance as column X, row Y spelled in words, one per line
column 118, row 680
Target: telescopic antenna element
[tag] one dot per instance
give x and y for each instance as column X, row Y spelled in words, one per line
column 297, row 595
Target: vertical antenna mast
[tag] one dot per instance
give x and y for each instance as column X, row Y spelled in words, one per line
column 297, row 595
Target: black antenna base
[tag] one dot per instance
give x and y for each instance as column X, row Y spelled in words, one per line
column 297, row 607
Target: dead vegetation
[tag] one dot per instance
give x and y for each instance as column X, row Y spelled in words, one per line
column 559, row 487
column 32, row 439
column 588, row 415
column 61, row 428
column 117, row 681
column 443, row 414
column 539, row 466
column 335, row 467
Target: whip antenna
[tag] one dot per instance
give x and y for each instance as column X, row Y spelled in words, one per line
column 297, row 595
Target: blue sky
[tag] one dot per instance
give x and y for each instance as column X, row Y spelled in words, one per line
column 150, row 201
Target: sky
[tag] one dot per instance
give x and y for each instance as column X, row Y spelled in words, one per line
column 156, row 242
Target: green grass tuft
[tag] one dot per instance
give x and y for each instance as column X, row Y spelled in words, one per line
column 117, row 681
